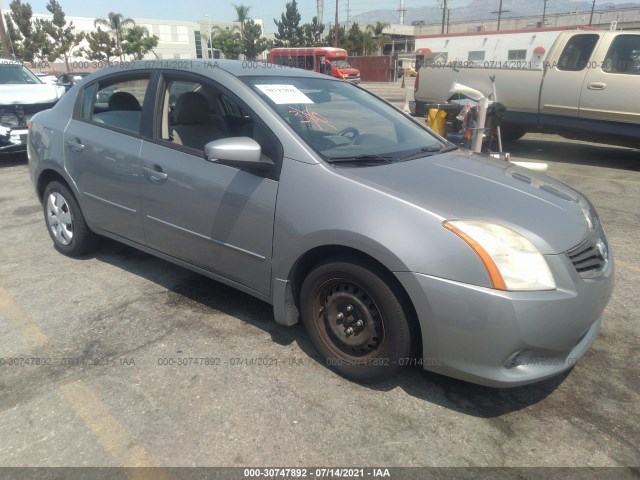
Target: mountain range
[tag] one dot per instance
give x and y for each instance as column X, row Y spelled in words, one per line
column 482, row 10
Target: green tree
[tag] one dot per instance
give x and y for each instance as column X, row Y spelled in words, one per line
column 20, row 31
column 354, row 38
column 242, row 14
column 228, row 40
column 137, row 42
column 289, row 32
column 379, row 38
column 254, row 43
column 343, row 41
column 117, row 25
column 312, row 33
column 102, row 46
column 62, row 37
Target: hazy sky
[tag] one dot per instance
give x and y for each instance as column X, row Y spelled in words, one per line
column 194, row 10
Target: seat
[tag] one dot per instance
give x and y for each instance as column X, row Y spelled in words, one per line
column 124, row 101
column 194, row 127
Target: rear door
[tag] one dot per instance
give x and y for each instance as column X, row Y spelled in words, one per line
column 610, row 102
column 102, row 146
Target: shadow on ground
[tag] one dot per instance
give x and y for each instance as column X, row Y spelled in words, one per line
column 195, row 291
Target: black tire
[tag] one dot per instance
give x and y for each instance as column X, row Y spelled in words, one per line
column 374, row 350
column 510, row 135
column 74, row 237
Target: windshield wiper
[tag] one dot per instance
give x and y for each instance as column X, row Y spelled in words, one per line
column 432, row 149
column 368, row 158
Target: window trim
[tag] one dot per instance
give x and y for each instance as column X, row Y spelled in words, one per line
column 155, row 135
column 112, row 79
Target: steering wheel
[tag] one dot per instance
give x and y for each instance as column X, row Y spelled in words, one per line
column 349, row 130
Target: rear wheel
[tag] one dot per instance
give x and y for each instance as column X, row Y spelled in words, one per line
column 65, row 222
column 511, row 135
column 354, row 318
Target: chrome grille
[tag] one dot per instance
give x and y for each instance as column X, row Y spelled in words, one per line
column 591, row 256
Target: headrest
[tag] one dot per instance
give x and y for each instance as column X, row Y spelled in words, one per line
column 191, row 107
column 123, row 101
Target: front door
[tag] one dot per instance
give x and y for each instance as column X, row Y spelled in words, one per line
column 609, row 102
column 215, row 217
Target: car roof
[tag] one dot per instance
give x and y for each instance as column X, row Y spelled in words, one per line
column 237, row 68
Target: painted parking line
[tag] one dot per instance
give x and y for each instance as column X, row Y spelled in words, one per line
column 112, row 436
column 16, row 318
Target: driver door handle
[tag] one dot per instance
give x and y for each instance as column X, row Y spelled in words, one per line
column 597, row 86
column 155, row 173
column 75, row 144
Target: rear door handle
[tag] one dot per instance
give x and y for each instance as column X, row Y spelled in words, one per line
column 597, row 86
column 155, row 173
column 75, row 144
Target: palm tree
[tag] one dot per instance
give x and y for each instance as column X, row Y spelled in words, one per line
column 376, row 31
column 242, row 12
column 117, row 25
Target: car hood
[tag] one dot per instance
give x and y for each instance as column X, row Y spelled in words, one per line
column 27, row 94
column 464, row 186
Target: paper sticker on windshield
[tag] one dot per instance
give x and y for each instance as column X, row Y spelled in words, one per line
column 284, row 94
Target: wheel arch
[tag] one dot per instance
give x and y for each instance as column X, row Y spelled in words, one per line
column 47, row 176
column 321, row 254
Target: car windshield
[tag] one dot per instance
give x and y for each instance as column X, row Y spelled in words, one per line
column 342, row 122
column 340, row 64
column 15, row 74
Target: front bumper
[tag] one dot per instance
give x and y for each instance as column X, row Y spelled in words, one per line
column 13, row 140
column 507, row 339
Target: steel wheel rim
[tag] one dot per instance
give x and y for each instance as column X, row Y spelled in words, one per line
column 59, row 218
column 348, row 319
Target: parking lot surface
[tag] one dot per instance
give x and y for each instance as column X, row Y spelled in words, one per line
column 120, row 358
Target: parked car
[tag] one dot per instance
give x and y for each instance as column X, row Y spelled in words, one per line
column 22, row 95
column 46, row 78
column 580, row 90
column 68, row 80
column 394, row 247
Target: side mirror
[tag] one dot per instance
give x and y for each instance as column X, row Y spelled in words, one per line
column 239, row 152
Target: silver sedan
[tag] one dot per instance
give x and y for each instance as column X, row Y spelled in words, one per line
column 392, row 246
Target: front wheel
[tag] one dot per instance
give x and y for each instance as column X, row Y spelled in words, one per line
column 354, row 318
column 65, row 222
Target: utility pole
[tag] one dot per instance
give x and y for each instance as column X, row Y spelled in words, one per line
column 593, row 7
column 444, row 15
column 499, row 12
column 335, row 35
column 544, row 12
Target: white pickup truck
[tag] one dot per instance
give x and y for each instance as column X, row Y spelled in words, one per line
column 587, row 88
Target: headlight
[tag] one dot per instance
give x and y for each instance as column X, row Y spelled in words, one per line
column 512, row 261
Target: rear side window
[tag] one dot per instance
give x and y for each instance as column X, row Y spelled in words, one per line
column 118, row 104
column 575, row 56
column 623, row 56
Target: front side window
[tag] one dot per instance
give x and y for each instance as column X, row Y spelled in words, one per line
column 576, row 54
column 340, row 64
column 341, row 121
column 623, row 56
column 195, row 113
column 118, row 104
